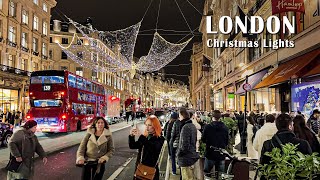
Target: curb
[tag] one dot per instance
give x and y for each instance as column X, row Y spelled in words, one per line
column 62, row 148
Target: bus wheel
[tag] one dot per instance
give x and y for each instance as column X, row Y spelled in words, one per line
column 78, row 126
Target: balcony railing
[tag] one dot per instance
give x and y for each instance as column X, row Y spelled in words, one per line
column 13, row 70
column 35, row 53
column 24, row 49
column 12, row 44
column 44, row 57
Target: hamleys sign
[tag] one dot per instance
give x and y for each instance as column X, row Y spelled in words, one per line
column 280, row 6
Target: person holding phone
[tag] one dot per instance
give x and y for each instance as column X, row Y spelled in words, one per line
column 149, row 143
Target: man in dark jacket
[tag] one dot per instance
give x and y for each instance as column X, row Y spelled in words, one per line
column 187, row 155
column 284, row 135
column 174, row 142
column 216, row 135
column 313, row 121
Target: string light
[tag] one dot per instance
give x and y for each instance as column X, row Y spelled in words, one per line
column 113, row 50
column 160, row 54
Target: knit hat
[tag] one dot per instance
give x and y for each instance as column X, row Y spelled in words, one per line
column 174, row 115
column 30, row 124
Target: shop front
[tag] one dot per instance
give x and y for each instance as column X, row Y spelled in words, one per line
column 218, row 100
column 230, row 98
column 295, row 93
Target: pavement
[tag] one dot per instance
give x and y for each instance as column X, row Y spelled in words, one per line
column 58, row 142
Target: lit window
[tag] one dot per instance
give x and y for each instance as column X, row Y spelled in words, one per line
column 35, row 22
column 24, row 42
column 45, row 28
column 45, row 7
column 35, row 44
column 11, row 60
column 44, row 49
column 25, row 17
column 12, row 34
column 12, row 9
column 36, row 2
column 0, row 4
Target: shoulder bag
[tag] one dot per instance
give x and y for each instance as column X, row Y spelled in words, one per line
column 144, row 172
column 13, row 165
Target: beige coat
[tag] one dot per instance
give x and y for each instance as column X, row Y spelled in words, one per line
column 92, row 149
column 266, row 132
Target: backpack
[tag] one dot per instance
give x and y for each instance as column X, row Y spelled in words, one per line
column 255, row 129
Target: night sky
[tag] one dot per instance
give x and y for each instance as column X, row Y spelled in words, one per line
column 118, row 14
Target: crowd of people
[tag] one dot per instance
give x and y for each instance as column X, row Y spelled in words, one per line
column 185, row 132
column 14, row 118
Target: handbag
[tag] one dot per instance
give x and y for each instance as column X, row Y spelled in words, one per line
column 144, row 172
column 13, row 165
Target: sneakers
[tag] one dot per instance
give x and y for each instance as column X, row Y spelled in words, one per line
column 173, row 173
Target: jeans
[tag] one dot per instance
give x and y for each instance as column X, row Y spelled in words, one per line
column 89, row 172
column 208, row 165
column 173, row 159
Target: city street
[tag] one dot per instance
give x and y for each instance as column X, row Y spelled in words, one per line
column 61, row 164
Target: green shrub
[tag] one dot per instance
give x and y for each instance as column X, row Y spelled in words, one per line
column 290, row 164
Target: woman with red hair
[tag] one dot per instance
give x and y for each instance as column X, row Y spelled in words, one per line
column 149, row 144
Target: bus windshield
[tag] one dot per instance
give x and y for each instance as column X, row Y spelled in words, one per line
column 46, row 103
column 47, row 80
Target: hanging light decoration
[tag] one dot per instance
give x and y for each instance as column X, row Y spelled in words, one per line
column 113, row 50
column 160, row 54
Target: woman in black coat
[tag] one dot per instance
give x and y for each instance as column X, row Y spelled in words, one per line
column 149, row 144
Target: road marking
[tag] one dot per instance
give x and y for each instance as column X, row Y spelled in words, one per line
column 120, row 169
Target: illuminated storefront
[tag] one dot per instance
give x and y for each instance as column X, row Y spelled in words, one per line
column 9, row 99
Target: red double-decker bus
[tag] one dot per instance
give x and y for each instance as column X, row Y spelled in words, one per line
column 62, row 101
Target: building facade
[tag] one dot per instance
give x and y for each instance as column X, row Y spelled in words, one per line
column 233, row 66
column 24, row 41
column 200, row 79
column 116, row 83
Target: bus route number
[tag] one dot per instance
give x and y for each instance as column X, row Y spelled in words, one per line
column 46, row 88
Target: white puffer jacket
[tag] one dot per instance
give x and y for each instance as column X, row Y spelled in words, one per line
column 264, row 133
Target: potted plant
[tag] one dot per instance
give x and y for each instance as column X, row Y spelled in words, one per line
column 232, row 126
column 290, row 164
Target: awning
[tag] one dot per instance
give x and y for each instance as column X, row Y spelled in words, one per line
column 314, row 71
column 253, row 80
column 289, row 69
